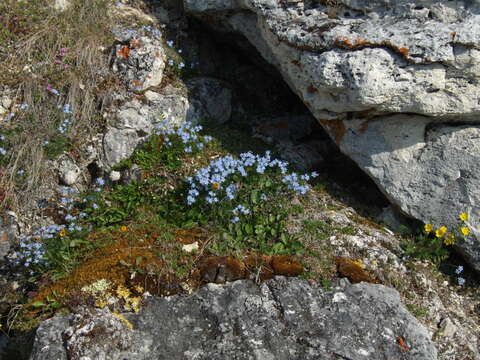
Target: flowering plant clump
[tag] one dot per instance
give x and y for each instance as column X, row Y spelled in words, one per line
column 449, row 238
column 248, row 197
column 433, row 242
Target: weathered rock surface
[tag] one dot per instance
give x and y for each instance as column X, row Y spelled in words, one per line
column 209, row 99
column 354, row 63
column 432, row 172
column 139, row 60
column 285, row 318
column 135, row 120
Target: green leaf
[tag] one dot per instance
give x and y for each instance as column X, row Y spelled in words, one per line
column 255, row 196
column 38, row 304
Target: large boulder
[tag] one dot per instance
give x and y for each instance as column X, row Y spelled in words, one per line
column 285, row 318
column 394, row 82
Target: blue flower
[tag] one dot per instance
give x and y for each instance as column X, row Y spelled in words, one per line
column 235, row 220
column 461, row 281
column 100, row 182
column 459, row 270
column 67, row 109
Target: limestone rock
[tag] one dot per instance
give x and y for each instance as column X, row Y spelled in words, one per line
column 356, row 64
column 61, row 5
column 69, row 172
column 135, row 120
column 209, row 98
column 285, row 318
column 430, row 172
column 139, row 61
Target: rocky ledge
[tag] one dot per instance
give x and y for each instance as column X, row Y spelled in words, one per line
column 284, row 318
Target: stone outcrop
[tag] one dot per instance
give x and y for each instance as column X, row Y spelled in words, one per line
column 284, row 318
column 395, row 84
column 135, row 120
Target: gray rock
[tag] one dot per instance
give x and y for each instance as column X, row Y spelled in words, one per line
column 68, row 170
column 393, row 220
column 282, row 319
column 61, row 5
column 135, row 120
column 356, row 62
column 8, row 232
column 429, row 172
column 209, row 98
column 139, row 61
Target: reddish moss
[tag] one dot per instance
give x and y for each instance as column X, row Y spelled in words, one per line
column 353, row 271
column 286, row 265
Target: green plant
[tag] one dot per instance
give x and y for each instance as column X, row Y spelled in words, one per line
column 417, row 310
column 432, row 244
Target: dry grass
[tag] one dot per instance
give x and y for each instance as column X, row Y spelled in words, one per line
column 31, row 36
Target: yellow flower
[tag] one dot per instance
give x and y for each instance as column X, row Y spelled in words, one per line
column 440, row 232
column 123, row 228
column 101, row 303
column 428, row 227
column 463, row 216
column 135, row 303
column 449, row 239
column 215, row 185
column 62, row 233
column 465, row 230
column 123, row 292
column 139, row 289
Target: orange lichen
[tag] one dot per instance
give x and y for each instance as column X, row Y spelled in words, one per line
column 124, row 52
column 311, row 89
column 296, row 62
column 336, row 129
column 350, row 43
column 404, row 51
column 137, row 82
column 402, row 343
column 453, row 34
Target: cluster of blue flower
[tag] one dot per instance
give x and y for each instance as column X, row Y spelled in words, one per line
column 2, row 150
column 64, row 125
column 187, row 132
column 32, row 248
column 215, row 182
column 149, row 29
column 461, row 281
